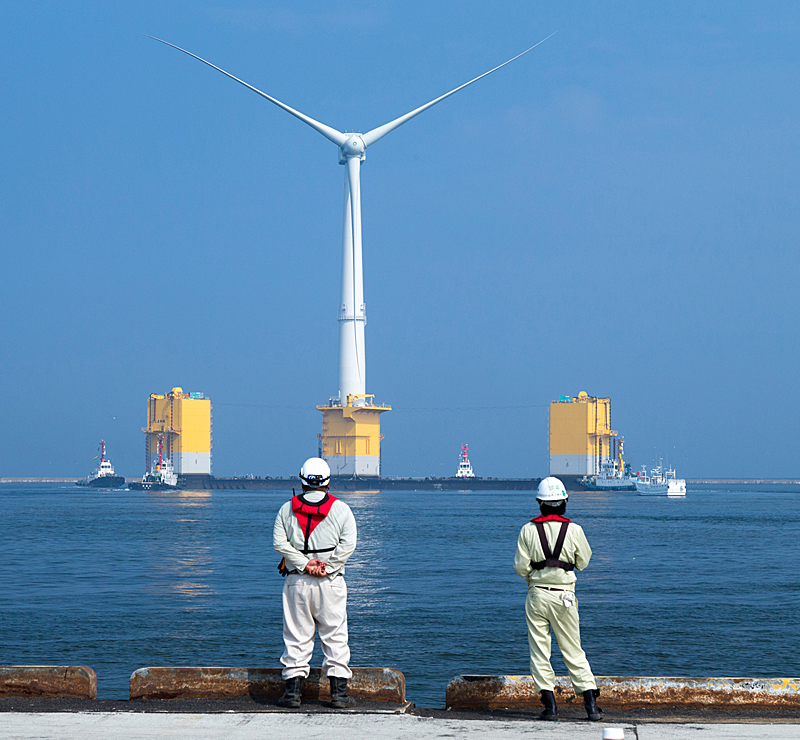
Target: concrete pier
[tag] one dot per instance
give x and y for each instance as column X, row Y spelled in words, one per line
column 221, row 703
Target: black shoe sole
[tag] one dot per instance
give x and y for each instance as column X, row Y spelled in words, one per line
column 341, row 705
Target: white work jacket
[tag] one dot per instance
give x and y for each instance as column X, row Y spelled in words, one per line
column 575, row 550
column 337, row 530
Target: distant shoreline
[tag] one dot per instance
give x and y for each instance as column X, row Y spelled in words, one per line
column 743, row 481
column 689, row 481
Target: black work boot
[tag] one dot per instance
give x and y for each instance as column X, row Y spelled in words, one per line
column 291, row 693
column 339, row 697
column 550, row 710
column 589, row 701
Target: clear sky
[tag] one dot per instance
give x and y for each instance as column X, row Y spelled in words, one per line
column 615, row 212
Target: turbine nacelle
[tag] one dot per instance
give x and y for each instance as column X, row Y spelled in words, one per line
column 353, row 146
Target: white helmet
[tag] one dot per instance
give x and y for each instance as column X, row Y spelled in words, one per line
column 551, row 491
column 315, row 473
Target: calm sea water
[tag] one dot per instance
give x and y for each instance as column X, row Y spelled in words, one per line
column 706, row 586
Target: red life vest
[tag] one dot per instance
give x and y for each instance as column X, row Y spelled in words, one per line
column 551, row 558
column 309, row 515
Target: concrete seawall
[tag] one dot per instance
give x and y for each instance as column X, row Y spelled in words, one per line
column 371, row 684
column 387, row 685
column 617, row 692
column 76, row 682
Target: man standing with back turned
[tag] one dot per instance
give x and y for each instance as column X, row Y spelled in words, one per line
column 316, row 534
column 549, row 549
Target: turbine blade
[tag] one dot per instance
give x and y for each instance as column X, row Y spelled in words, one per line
column 378, row 133
column 337, row 137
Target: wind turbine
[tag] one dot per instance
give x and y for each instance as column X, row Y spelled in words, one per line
column 352, row 152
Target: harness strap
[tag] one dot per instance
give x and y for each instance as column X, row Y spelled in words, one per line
column 551, row 558
column 562, row 534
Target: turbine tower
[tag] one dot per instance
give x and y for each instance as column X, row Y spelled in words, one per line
column 346, row 446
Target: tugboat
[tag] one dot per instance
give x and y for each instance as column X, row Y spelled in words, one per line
column 102, row 476
column 613, row 476
column 161, row 476
column 464, row 465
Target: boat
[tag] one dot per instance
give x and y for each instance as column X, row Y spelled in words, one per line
column 610, row 478
column 614, row 475
column 660, row 482
column 464, row 465
column 103, row 476
column 161, row 477
column 675, row 486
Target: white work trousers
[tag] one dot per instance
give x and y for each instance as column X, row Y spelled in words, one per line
column 311, row 603
column 543, row 610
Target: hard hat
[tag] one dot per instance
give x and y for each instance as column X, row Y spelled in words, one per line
column 315, row 473
column 551, row 491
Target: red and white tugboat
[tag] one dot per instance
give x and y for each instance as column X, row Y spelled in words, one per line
column 161, row 476
column 464, row 465
column 102, row 476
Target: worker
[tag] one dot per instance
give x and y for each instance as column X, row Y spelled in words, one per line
column 316, row 534
column 549, row 549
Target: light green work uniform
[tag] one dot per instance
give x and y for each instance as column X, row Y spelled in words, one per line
column 545, row 609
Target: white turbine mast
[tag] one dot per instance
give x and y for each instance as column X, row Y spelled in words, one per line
column 352, row 152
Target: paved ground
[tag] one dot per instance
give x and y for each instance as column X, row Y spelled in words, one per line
column 233, row 725
column 244, row 718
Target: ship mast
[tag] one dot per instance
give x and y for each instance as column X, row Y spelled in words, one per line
column 102, row 451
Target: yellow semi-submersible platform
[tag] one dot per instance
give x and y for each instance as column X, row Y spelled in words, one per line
column 581, row 438
column 351, row 436
column 184, row 421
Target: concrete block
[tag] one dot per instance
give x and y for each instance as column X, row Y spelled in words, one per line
column 77, row 682
column 373, row 684
column 620, row 692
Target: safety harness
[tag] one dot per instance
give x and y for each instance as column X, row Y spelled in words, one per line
column 309, row 515
column 551, row 558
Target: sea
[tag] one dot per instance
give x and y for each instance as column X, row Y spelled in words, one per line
column 118, row 580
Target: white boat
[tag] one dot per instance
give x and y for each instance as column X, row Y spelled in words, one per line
column 675, row 486
column 660, row 482
column 614, row 475
column 464, row 465
column 609, row 479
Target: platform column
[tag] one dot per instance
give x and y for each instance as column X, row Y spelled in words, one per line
column 351, row 436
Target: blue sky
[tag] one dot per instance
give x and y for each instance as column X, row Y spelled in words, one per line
column 615, row 212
